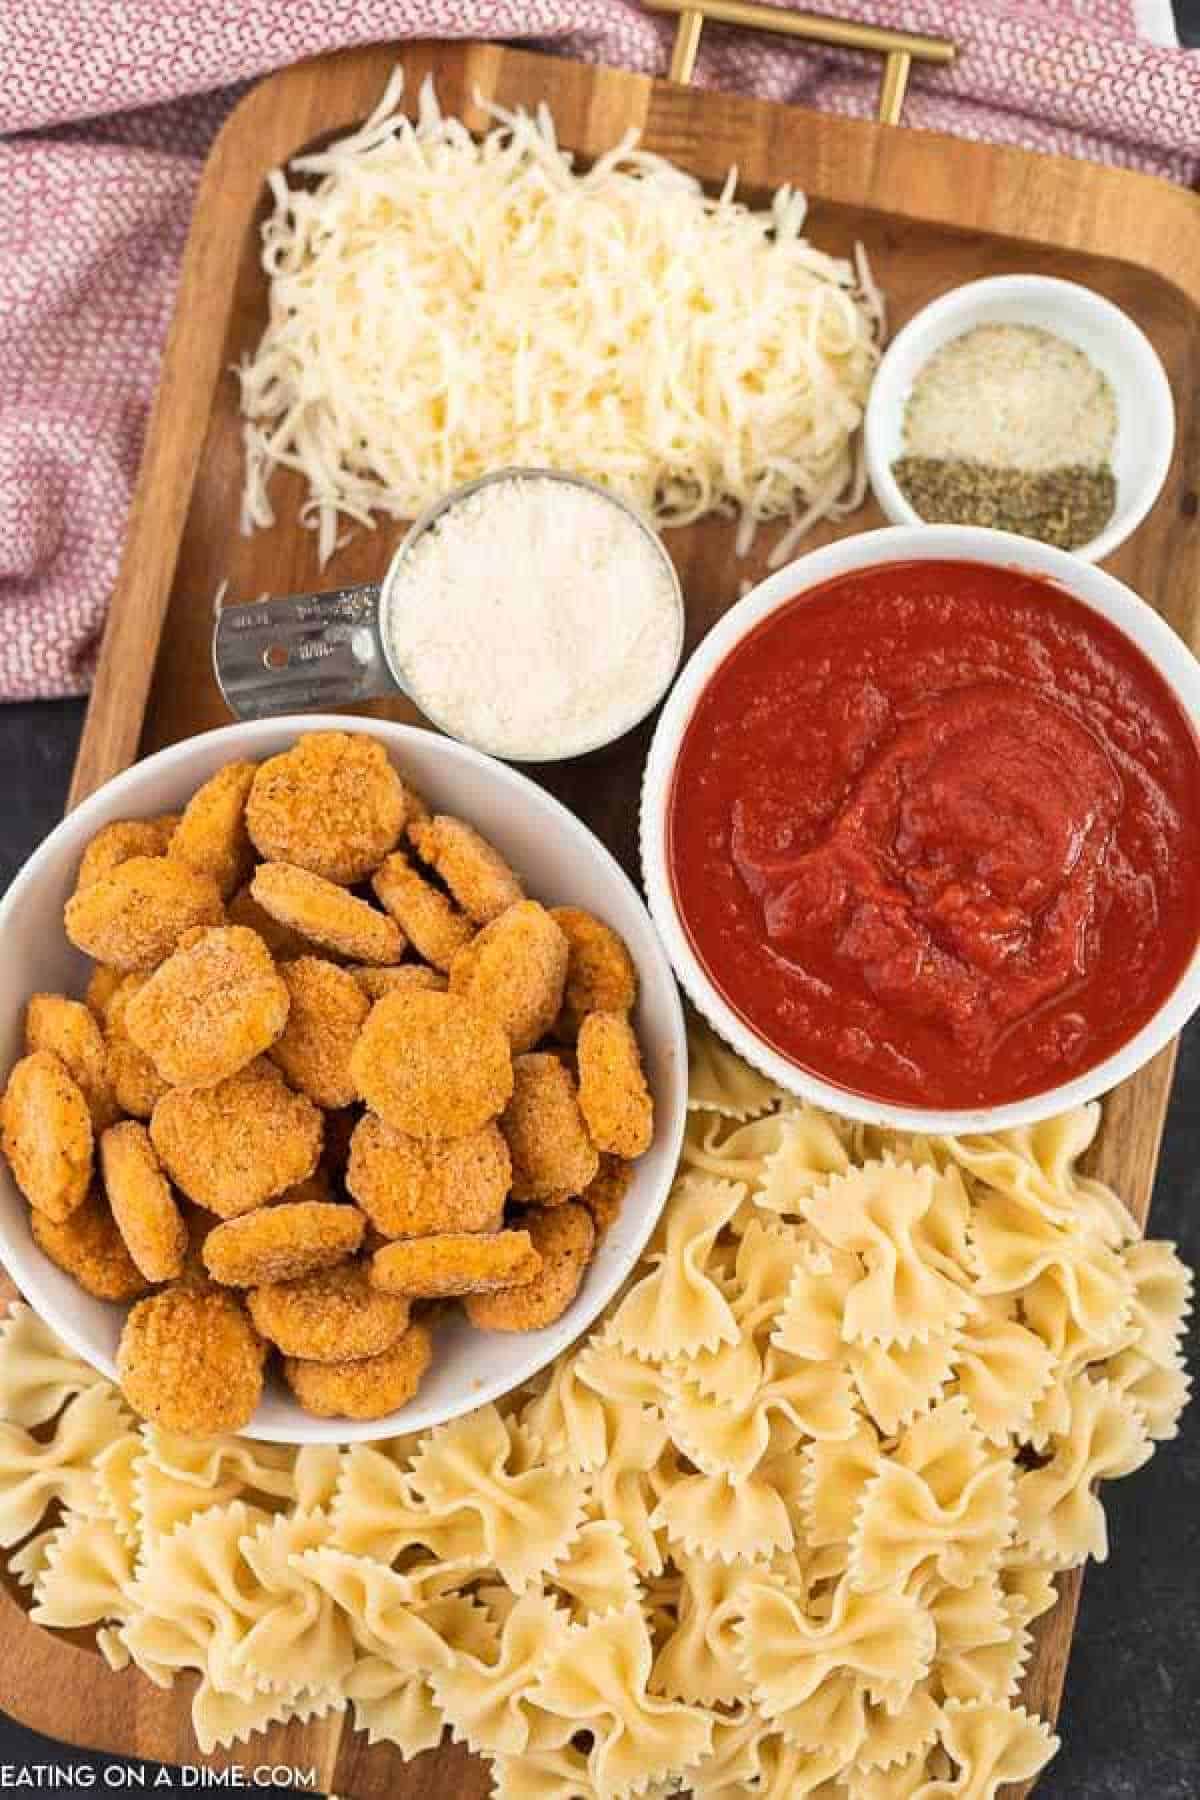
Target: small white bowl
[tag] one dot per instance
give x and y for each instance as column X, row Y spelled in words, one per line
column 1105, row 595
column 1145, row 411
column 561, row 861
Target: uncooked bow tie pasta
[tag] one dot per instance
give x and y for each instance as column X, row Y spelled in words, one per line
column 779, row 1526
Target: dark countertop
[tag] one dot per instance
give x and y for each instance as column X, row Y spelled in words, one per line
column 1131, row 1721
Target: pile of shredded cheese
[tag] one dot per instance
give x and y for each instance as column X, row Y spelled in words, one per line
column 442, row 306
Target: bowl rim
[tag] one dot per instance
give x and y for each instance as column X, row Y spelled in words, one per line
column 960, row 306
column 22, row 1259
column 1092, row 587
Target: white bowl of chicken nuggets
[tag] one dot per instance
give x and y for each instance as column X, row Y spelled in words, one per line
column 345, row 1080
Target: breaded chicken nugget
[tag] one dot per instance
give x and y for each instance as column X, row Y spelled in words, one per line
column 474, row 870
column 436, row 929
column 600, row 972
column 375, row 983
column 326, row 914
column 612, row 1087
column 210, row 1009
column 211, row 836
column 283, row 943
column 89, row 1247
column 454, row 1262
column 142, row 1202
column 134, row 917
column 331, row 1316
column 432, row 1065
column 367, row 1388
column 101, row 988
column 516, row 969
column 564, row 1238
column 327, row 1011
column 232, row 1146
column 116, row 843
column 410, row 1187
column 605, row 1196
column 279, row 1243
column 46, row 1135
column 332, row 804
column 552, row 1155
column 190, row 1361
column 69, row 1031
column 136, row 1084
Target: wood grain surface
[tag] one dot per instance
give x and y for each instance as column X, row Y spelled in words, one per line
column 932, row 212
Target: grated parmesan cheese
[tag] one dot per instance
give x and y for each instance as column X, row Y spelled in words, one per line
column 535, row 618
column 441, row 307
column 1014, row 397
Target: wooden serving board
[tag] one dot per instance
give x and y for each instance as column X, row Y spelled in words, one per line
column 932, row 212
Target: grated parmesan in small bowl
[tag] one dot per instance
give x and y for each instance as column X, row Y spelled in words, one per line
column 533, row 615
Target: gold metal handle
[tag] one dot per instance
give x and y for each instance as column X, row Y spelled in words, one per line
column 899, row 49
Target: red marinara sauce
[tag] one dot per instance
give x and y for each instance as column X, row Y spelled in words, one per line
column 934, row 833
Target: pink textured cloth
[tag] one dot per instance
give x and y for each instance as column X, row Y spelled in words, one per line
column 110, row 105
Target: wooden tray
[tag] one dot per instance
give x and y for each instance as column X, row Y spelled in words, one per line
column 932, row 212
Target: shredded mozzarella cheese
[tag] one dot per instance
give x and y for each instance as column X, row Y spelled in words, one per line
column 442, row 306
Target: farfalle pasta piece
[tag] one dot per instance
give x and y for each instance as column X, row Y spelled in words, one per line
column 34, row 1473
column 812, row 1676
column 1162, row 1299
column 1073, row 1286
column 1058, row 1512
column 117, row 1468
column 719, row 1081
column 488, row 1702
column 991, row 1744
column 834, row 1478
column 38, row 1375
column 1159, row 1390
column 809, row 1150
column 194, row 1603
column 896, row 1382
column 1002, row 1370
column 374, row 1513
column 730, row 1151
column 942, row 1502
column 599, row 1681
column 678, row 1309
column 876, row 1212
column 221, row 1719
column 163, row 1501
column 897, row 1738
column 266, row 1469
column 29, row 1559
column 628, row 1486
column 1036, row 1166
column 524, row 1519
column 568, row 1420
column 982, row 1640
column 757, row 1285
column 698, row 1660
column 315, row 1475
column 732, row 1439
column 298, row 1638
column 720, row 1518
column 597, row 1574
column 86, row 1576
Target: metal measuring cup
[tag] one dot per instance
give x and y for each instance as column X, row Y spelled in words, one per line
column 315, row 651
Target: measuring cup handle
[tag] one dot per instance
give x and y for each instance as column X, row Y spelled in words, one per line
column 303, row 650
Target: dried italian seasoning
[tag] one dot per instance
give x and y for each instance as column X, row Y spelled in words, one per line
column 1066, row 506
